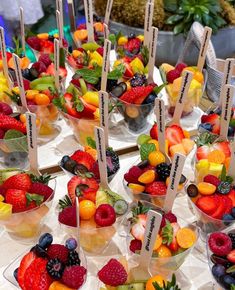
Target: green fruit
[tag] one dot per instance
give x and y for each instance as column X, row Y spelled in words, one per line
column 113, row 196
column 13, row 134
column 6, row 173
column 143, row 139
column 42, row 87
column 70, row 89
column 132, row 286
column 120, row 207
column 102, row 198
column 83, row 86
column 91, row 46
column 232, row 123
column 42, row 80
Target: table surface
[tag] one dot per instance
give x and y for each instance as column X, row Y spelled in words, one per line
column 193, row 274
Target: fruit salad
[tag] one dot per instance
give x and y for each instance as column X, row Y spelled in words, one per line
column 13, row 139
column 25, row 200
column 135, row 99
column 85, row 162
column 174, row 241
column 115, row 275
column 173, row 77
column 210, row 122
column 221, row 255
column 101, row 212
column 177, row 140
column 49, row 266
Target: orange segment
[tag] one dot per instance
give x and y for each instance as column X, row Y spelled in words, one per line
column 42, row 99
column 158, row 242
column 43, row 36
column 186, row 134
column 158, row 279
column 227, row 163
column 163, row 252
column 156, row 157
column 216, row 156
column 24, row 62
column 136, row 188
column 186, row 238
column 80, row 34
column 206, row 188
column 99, row 27
column 147, row 177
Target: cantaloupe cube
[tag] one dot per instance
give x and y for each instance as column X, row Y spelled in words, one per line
column 166, row 67
column 188, row 145
column 178, row 148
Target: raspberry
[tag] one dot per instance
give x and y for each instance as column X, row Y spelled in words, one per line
column 34, row 42
column 172, row 75
column 74, row 276
column 133, row 174
column 135, row 245
column 68, row 216
column 45, row 58
column 5, row 108
column 100, row 50
column 156, row 188
column 180, row 66
column 113, row 273
column 212, row 179
column 220, row 244
column 39, row 66
column 170, row 217
column 58, row 251
column 105, row 215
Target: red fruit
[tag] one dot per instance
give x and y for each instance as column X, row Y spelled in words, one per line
column 128, row 72
column 202, row 152
column 137, row 231
column 100, row 50
column 89, row 194
column 231, row 256
column 24, row 264
column 105, row 215
column 170, row 217
column 212, row 179
column 2, row 134
column 34, row 42
column 76, row 83
column 220, row 209
column 78, row 184
column 135, row 245
column 69, row 106
column 220, row 243
column 68, row 216
column 216, row 129
column 36, row 276
column 39, row 66
column 224, row 147
column 136, row 95
column 5, row 109
column 47, row 46
column 95, row 170
column 2, row 190
column 74, row 276
column 42, row 189
column 228, row 204
column 180, row 66
column 51, row 71
column 172, row 75
column 113, row 273
column 207, row 204
column 45, row 58
column 174, row 134
column 156, row 188
column 212, row 119
column 127, row 59
column 8, row 122
column 84, row 158
column 173, row 245
column 133, row 174
column 81, row 26
column 153, row 132
column 133, row 45
column 231, row 195
column 58, row 251
column 26, row 84
column 19, row 181
column 88, row 111
column 8, row 55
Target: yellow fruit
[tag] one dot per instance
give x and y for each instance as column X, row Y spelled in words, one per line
column 136, row 188
column 23, row 118
column 215, row 169
column 198, row 76
column 158, row 279
column 147, row 177
column 203, row 163
column 46, row 129
column 56, row 285
column 186, row 238
column 16, row 90
column 163, row 252
column 177, row 148
column 1, row 198
column 117, row 62
column 140, row 37
column 56, row 35
column 166, row 67
column 97, row 114
column 5, row 210
column 92, row 98
column 30, row 94
column 158, row 242
column 76, row 53
column 156, row 157
column 87, row 209
column 188, row 145
column 137, row 65
column 43, row 36
column 96, row 58
column 155, row 142
column 206, row 188
column 122, row 40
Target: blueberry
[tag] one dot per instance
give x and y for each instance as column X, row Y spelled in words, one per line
column 64, row 159
column 26, row 74
column 39, row 251
column 228, row 218
column 45, row 240
column 150, row 99
column 230, row 131
column 71, row 244
column 218, row 271
column 233, row 212
column 206, row 126
column 227, row 281
column 15, row 274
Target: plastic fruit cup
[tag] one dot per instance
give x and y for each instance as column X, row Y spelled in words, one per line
column 14, row 152
column 8, row 272
column 26, row 226
column 135, row 116
column 82, row 128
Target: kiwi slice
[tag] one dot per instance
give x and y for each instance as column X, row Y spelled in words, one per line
column 120, row 206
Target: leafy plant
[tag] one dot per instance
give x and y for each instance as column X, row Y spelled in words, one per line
column 169, row 285
column 185, row 12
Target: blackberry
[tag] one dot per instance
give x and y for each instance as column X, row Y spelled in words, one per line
column 224, row 187
column 232, row 237
column 55, row 268
column 73, row 259
column 112, row 161
column 138, row 80
column 163, row 171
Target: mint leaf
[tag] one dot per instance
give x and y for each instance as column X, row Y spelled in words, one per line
column 59, row 102
column 34, row 197
column 145, row 149
column 91, row 142
column 222, row 176
column 112, row 38
column 79, row 105
column 117, row 72
column 158, row 89
column 91, row 76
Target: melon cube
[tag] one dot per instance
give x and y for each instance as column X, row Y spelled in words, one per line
column 188, row 145
column 178, row 148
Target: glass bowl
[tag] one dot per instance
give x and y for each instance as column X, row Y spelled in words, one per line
column 25, row 226
column 82, row 128
column 8, row 272
column 14, row 153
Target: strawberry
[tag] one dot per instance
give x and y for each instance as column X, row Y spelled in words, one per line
column 212, row 179
column 8, row 122
column 47, row 46
column 26, row 84
column 174, row 134
column 88, row 111
column 138, row 230
column 20, row 181
column 68, row 216
column 133, row 45
column 8, row 55
column 135, row 245
column 89, row 194
column 216, row 129
column 156, row 188
column 128, row 72
column 84, row 158
column 173, row 246
column 212, row 119
column 153, row 132
column 77, row 184
column 69, row 106
column 228, row 204
column 41, row 189
column 231, row 195
column 202, row 152
column 136, row 95
column 231, row 256
column 207, row 204
column 172, row 75
column 224, row 147
column 220, row 209
column 180, row 66
column 100, row 50
column 51, row 71
column 24, row 264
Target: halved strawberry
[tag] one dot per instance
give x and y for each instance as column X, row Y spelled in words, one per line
column 231, row 195
column 173, row 245
column 78, row 184
column 202, row 152
column 136, row 95
column 83, row 158
column 89, row 194
column 228, row 204
column 138, row 231
column 174, row 134
column 212, row 119
column 128, row 72
column 221, row 207
column 24, row 264
column 224, row 147
column 69, row 106
column 153, row 132
column 207, row 204
column 47, row 46
column 51, row 71
column 231, row 256
column 88, row 111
